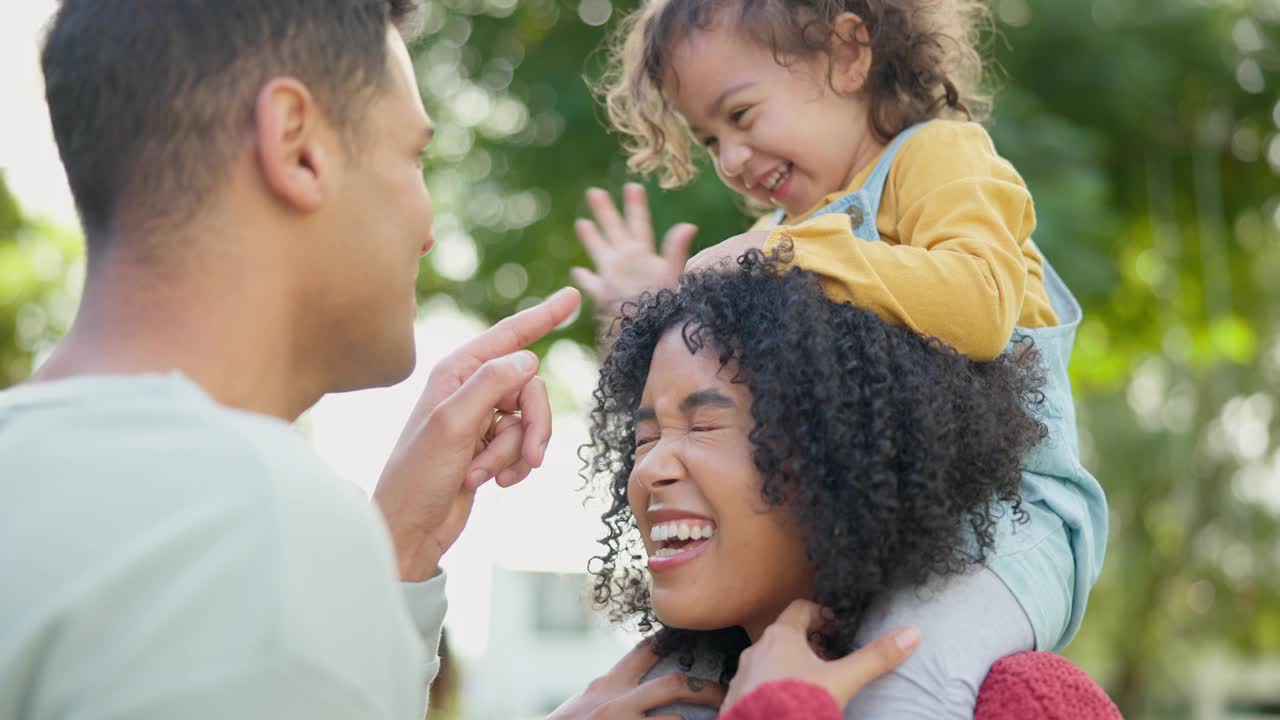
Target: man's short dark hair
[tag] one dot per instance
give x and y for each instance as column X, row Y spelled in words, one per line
column 150, row 98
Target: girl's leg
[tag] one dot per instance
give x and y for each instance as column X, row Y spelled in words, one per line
column 968, row 621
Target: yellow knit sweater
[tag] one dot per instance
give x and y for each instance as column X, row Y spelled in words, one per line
column 956, row 259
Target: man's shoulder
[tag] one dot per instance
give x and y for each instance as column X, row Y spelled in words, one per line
column 143, row 476
column 152, row 447
column 128, row 425
column 149, row 502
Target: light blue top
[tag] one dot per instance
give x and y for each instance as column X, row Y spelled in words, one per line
column 166, row 557
column 1059, row 495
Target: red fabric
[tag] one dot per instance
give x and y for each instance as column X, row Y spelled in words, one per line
column 785, row 700
column 1044, row 686
column 1026, row 686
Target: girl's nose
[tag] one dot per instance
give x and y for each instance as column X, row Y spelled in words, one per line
column 733, row 158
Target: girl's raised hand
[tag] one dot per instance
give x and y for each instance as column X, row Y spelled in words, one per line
column 621, row 246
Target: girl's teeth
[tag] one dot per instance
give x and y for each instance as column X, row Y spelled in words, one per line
column 776, row 178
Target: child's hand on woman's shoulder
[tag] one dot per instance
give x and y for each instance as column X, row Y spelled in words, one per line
column 728, row 251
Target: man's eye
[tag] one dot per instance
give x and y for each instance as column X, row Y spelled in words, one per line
column 701, row 428
column 646, row 440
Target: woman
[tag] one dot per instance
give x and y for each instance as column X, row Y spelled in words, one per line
column 762, row 444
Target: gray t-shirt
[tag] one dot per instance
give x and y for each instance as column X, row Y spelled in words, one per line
column 164, row 556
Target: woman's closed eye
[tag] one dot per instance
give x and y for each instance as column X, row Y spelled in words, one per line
column 649, row 438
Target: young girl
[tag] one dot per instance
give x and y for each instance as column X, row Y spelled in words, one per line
column 852, row 119
column 761, row 443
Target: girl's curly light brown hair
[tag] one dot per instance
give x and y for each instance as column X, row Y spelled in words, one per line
column 925, row 64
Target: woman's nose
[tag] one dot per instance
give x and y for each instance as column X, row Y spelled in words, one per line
column 660, row 466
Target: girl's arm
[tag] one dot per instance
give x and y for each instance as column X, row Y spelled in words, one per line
column 957, row 263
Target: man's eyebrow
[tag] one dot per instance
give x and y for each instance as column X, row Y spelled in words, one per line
column 709, row 397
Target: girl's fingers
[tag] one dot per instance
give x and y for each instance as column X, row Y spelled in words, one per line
column 639, row 222
column 593, row 285
column 596, row 246
column 611, row 224
column 676, row 245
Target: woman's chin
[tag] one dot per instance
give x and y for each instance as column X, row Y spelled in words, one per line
column 679, row 616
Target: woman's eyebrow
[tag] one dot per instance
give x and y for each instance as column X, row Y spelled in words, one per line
column 694, row 400
column 706, row 398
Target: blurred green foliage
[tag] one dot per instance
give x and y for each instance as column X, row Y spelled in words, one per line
column 38, row 276
column 1149, row 133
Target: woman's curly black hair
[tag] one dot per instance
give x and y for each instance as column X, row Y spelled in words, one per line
column 894, row 454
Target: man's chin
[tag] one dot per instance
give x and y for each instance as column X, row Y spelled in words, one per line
column 381, row 370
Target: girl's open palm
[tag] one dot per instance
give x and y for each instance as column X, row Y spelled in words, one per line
column 621, row 246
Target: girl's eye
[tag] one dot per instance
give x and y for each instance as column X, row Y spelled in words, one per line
column 709, row 143
column 737, row 115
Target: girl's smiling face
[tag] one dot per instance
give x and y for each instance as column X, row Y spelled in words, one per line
column 781, row 135
column 718, row 554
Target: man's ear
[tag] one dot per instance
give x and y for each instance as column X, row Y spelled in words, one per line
column 850, row 54
column 291, row 146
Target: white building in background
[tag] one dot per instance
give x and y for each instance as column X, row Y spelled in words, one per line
column 545, row 645
column 1230, row 689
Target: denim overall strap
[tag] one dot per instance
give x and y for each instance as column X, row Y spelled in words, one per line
column 863, row 205
column 1054, row 484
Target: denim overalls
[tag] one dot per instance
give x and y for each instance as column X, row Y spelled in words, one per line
column 1051, row 562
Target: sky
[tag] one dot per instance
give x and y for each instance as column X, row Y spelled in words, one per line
column 538, row 525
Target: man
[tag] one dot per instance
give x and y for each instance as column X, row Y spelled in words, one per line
column 248, row 176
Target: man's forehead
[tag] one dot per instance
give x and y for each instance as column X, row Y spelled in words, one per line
column 404, row 79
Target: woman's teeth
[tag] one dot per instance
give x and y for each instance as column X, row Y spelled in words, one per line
column 682, row 530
